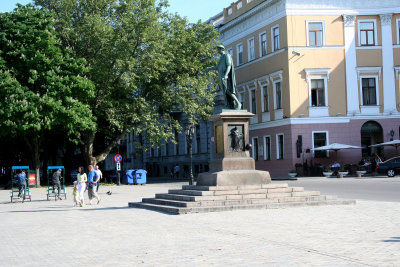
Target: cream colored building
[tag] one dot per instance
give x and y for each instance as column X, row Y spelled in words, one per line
column 315, row 73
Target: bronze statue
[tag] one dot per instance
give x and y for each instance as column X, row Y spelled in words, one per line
column 236, row 136
column 226, row 78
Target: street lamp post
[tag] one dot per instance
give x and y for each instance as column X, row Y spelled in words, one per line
column 189, row 131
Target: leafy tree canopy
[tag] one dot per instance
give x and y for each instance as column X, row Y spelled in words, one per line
column 145, row 64
column 42, row 86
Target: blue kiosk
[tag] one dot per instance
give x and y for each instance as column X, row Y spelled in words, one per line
column 15, row 186
column 136, row 176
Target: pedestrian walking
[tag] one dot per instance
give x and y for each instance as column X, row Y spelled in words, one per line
column 93, row 179
column 176, row 170
column 100, row 174
column 56, row 182
column 75, row 194
column 82, row 180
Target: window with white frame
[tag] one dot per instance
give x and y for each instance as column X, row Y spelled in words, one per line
column 253, row 101
column 267, row 148
column 317, row 93
column 265, row 98
column 278, row 95
column 369, row 92
column 239, row 53
column 367, row 32
column 263, row 44
column 239, row 5
column 255, row 148
column 315, row 33
column 250, row 48
column 320, row 139
column 275, row 38
column 279, row 146
column 230, row 11
column 398, row 30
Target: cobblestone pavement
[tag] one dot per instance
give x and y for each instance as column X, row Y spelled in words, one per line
column 54, row 233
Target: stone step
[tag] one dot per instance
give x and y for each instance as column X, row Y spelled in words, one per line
column 271, row 205
column 233, row 187
column 272, row 191
column 190, row 192
column 177, row 203
column 160, row 208
column 189, row 198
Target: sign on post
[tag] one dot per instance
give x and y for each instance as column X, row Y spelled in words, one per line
column 118, row 166
column 117, row 158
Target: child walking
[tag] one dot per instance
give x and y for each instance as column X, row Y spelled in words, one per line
column 75, row 194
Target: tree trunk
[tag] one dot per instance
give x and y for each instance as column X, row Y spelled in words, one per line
column 88, row 156
column 33, row 146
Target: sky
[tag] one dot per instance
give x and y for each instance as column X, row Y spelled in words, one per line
column 194, row 10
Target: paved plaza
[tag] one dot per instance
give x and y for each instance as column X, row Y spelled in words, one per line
column 54, row 233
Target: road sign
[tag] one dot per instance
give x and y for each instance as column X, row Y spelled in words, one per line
column 118, row 166
column 117, row 158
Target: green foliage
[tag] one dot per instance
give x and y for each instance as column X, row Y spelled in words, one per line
column 145, row 63
column 42, row 86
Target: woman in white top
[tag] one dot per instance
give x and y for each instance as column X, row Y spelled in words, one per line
column 82, row 180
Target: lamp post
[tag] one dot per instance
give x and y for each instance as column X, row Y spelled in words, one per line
column 391, row 134
column 189, row 132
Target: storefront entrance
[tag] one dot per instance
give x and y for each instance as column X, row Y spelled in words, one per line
column 371, row 134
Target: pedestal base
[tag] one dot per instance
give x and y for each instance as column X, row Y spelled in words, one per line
column 233, row 177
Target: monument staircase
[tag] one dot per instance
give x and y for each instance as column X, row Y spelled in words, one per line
column 196, row 199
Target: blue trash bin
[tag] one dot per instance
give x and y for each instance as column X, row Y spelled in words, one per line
column 141, row 176
column 130, row 179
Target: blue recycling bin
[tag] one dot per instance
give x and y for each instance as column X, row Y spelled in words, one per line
column 141, row 176
column 130, row 179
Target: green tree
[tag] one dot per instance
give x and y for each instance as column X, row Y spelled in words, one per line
column 144, row 62
column 42, row 86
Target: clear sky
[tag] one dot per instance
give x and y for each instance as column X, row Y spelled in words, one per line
column 192, row 9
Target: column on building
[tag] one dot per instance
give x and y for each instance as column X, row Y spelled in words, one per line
column 353, row 105
column 389, row 93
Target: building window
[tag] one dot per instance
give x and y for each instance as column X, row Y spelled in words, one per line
column 369, row 91
column 239, row 54
column 398, row 30
column 320, row 139
column 255, row 148
column 265, row 99
column 279, row 146
column 317, row 93
column 250, row 44
column 198, row 141
column 177, row 142
column 263, row 44
column 366, row 32
column 315, row 33
column 253, row 105
column 275, row 38
column 230, row 11
column 278, row 95
column 267, row 148
column 239, row 5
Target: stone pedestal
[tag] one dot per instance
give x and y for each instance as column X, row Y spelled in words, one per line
column 231, row 163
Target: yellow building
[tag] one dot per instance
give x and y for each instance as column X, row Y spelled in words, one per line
column 315, row 73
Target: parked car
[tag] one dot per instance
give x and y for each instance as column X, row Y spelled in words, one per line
column 391, row 167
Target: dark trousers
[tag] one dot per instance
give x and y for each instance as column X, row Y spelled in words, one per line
column 20, row 188
column 58, row 188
